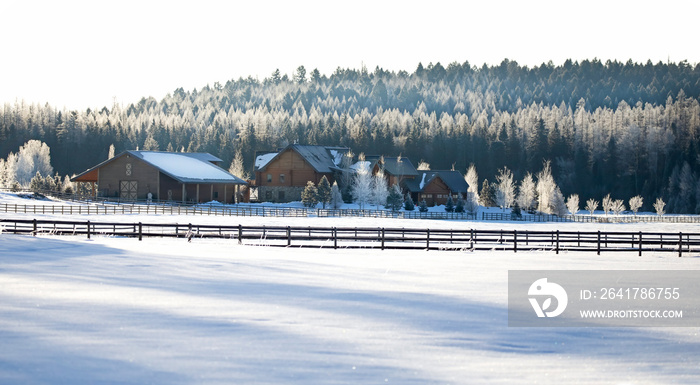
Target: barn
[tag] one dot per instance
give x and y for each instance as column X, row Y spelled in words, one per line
column 166, row 176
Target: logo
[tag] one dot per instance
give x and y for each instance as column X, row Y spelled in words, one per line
column 542, row 288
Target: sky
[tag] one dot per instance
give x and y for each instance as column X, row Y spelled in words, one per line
column 90, row 54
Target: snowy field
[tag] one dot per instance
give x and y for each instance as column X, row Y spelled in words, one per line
column 164, row 311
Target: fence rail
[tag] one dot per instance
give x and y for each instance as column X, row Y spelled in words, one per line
column 377, row 238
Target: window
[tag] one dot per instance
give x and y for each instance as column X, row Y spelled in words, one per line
column 216, row 195
column 281, row 178
column 268, row 195
column 269, row 178
column 281, row 196
column 128, row 169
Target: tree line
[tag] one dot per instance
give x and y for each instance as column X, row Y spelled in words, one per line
column 624, row 129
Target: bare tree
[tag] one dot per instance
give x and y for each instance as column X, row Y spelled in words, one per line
column 636, row 203
column 591, row 205
column 572, row 204
column 659, row 206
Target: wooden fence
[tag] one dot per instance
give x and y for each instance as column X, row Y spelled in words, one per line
column 377, row 238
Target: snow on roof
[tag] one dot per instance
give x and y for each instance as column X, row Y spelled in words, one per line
column 337, row 157
column 422, row 182
column 262, row 160
column 187, row 167
column 364, row 165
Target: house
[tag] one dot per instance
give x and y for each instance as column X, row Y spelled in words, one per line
column 436, row 186
column 396, row 169
column 172, row 176
column 281, row 176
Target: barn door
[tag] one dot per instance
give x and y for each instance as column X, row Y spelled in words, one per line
column 127, row 190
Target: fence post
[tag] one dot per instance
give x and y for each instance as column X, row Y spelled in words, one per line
column 427, row 240
column 335, row 238
column 598, row 247
column 680, row 244
column 140, row 231
column 557, row 247
column 88, row 229
column 515, row 241
column 34, row 226
column 289, row 236
column 240, row 234
column 382, row 238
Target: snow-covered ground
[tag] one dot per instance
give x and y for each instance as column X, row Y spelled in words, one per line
column 165, row 311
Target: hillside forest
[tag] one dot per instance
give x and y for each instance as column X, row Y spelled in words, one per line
column 616, row 128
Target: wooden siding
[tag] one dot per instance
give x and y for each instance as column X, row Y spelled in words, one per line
column 295, row 170
column 435, row 193
column 112, row 174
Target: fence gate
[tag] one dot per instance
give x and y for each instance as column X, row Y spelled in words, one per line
column 127, row 190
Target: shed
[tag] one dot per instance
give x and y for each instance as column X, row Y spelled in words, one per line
column 436, row 186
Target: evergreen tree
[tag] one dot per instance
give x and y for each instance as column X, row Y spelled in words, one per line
column 450, row 204
column 486, row 196
column 408, row 204
column 309, row 197
column 423, row 206
column 394, row 201
column 323, row 191
column 459, row 208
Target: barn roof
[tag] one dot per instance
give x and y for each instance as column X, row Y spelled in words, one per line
column 323, row 159
column 184, row 167
column 453, row 179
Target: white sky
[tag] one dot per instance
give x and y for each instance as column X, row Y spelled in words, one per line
column 81, row 54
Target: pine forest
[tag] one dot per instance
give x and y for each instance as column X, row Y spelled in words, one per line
column 623, row 129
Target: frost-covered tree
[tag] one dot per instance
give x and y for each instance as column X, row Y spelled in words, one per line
column 527, row 193
column 110, row 154
column 607, row 204
column 362, row 183
column 472, row 179
column 37, row 183
column 336, row 196
column 558, row 206
column 395, row 199
column 636, row 203
column 323, row 191
column 505, row 188
column 237, row 166
column 309, row 196
column 34, row 156
column 617, row 206
column 546, row 187
column 591, row 205
column 423, row 166
column 380, row 191
column 659, row 206
column 572, row 204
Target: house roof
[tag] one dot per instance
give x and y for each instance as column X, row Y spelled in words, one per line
column 453, row 179
column 394, row 166
column 184, row 167
column 323, row 159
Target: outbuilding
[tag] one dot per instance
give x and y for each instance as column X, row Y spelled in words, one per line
column 165, row 176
